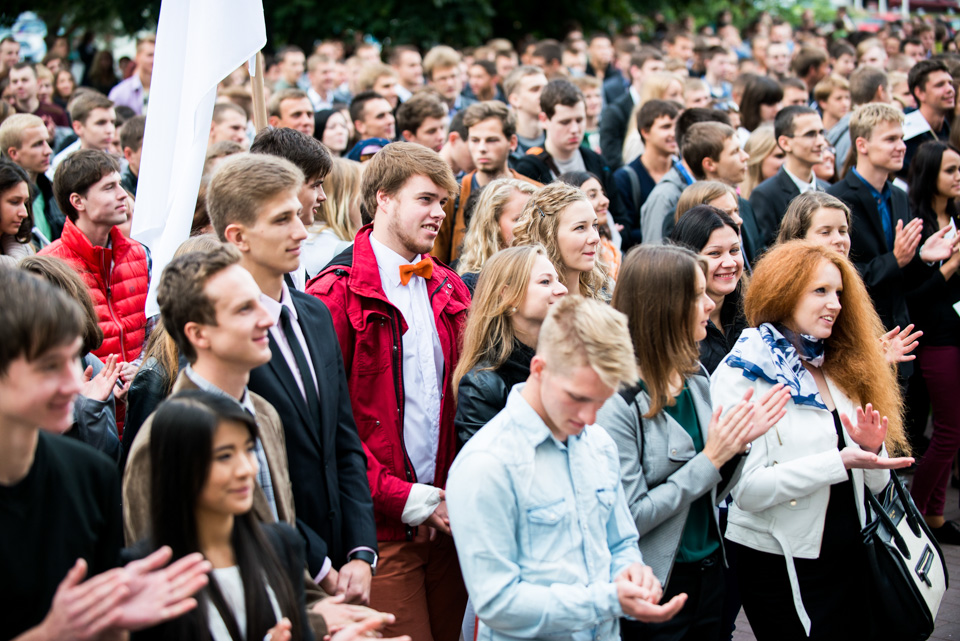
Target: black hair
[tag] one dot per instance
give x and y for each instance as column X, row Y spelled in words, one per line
column 306, row 152
column 559, row 92
column 181, row 455
column 923, row 175
column 917, row 78
column 786, row 118
column 11, row 175
column 697, row 223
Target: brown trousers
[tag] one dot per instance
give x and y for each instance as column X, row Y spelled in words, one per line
column 419, row 582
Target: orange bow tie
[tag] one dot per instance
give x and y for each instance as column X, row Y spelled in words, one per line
column 423, row 269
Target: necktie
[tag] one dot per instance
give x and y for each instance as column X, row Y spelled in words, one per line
column 313, row 403
column 423, row 269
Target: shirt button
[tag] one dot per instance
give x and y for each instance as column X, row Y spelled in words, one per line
column 793, row 502
column 673, row 451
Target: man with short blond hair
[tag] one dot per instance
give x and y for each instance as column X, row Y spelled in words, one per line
column 322, row 75
column 380, row 78
column 24, row 139
column 522, row 87
column 399, row 370
column 441, row 68
column 229, row 122
column 24, row 82
column 407, row 62
column 290, row 61
column 94, row 122
column 545, row 443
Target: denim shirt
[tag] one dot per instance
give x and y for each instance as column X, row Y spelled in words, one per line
column 542, row 528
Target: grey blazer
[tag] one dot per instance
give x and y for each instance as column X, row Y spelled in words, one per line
column 654, row 451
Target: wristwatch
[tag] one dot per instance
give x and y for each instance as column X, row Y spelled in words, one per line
column 365, row 555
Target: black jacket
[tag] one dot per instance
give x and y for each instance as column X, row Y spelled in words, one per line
column 884, row 278
column 753, row 244
column 720, row 340
column 770, row 200
column 286, row 544
column 613, row 130
column 150, row 386
column 482, row 393
column 540, row 166
column 328, row 467
column 930, row 298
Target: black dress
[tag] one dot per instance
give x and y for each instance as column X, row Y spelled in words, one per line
column 834, row 587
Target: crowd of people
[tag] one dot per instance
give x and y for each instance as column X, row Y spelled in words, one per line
column 583, row 338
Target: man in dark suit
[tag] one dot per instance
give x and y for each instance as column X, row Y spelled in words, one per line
column 883, row 238
column 254, row 205
column 799, row 132
column 616, row 113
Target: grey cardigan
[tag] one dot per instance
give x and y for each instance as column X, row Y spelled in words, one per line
column 661, row 471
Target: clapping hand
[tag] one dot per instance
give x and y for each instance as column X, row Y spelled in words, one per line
column 870, row 430
column 898, row 344
column 938, row 248
column 100, row 387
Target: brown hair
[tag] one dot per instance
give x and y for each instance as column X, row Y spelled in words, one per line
column 420, row 106
column 77, row 173
column 478, row 112
column 243, row 183
column 704, row 140
column 440, row 57
column 854, row 357
column 65, row 278
column 131, row 133
column 181, row 294
column 796, row 222
column 389, row 170
column 84, row 103
column 42, row 318
column 656, row 289
column 273, row 107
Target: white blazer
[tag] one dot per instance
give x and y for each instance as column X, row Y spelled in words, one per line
column 780, row 501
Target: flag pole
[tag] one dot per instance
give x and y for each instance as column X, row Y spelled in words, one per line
column 259, row 105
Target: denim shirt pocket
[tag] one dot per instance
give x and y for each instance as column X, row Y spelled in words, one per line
column 548, row 527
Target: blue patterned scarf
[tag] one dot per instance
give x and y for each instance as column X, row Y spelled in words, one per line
column 765, row 353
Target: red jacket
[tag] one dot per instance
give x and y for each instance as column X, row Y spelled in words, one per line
column 369, row 329
column 117, row 278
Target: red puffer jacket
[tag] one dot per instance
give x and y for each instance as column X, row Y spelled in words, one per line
column 117, row 278
column 369, row 329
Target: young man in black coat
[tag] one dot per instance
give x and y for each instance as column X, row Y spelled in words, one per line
column 563, row 114
column 799, row 132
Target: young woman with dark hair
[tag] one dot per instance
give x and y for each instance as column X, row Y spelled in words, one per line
column 202, row 486
column 715, row 236
column 934, row 190
column 16, row 221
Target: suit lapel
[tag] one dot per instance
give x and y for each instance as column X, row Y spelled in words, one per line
column 280, row 369
column 870, row 206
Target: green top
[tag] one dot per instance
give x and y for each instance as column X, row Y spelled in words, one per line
column 39, row 220
column 699, row 538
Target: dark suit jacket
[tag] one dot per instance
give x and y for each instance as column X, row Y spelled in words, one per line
column 770, row 200
column 613, row 129
column 752, row 238
column 328, row 467
column 868, row 248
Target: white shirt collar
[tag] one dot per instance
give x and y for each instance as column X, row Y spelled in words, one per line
column 801, row 185
column 390, row 261
column 274, row 306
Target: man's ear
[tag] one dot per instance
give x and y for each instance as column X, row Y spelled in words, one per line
column 784, row 143
column 236, row 235
column 407, row 135
column 77, row 127
column 14, row 154
column 77, row 201
column 709, row 166
column 383, row 200
column 514, row 141
column 273, row 121
column 196, row 335
column 542, row 118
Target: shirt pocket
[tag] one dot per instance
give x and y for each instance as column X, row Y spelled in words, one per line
column 548, row 529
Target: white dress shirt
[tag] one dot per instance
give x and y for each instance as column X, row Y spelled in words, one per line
column 422, row 378
column 276, row 331
column 804, row 187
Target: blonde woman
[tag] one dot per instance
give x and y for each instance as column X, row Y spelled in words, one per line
column 559, row 217
column 491, row 227
column 765, row 159
column 515, row 291
column 337, row 220
column 659, row 86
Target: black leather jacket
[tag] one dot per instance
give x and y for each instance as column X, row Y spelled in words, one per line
column 149, row 387
column 483, row 391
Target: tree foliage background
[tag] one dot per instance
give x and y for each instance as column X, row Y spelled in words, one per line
column 422, row 22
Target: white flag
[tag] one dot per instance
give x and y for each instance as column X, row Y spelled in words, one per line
column 199, row 43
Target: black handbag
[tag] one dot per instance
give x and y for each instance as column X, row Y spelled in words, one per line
column 909, row 574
